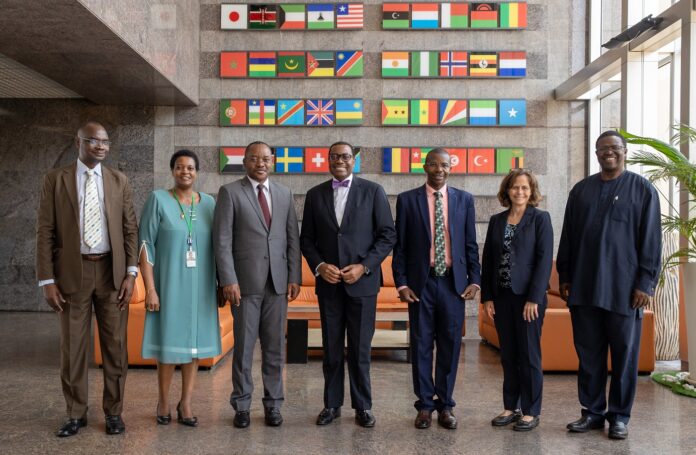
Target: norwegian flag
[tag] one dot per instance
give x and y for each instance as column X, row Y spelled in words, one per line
column 453, row 64
column 320, row 112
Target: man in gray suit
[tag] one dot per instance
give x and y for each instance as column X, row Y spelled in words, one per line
column 257, row 251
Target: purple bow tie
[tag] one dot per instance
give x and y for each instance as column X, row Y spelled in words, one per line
column 336, row 184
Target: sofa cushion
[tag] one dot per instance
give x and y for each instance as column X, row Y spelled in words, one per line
column 387, row 275
column 307, row 274
column 138, row 291
column 226, row 320
column 307, row 295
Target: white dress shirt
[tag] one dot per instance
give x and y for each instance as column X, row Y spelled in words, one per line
column 266, row 192
column 340, row 195
column 104, row 246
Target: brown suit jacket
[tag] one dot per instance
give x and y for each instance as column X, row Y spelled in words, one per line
column 58, row 228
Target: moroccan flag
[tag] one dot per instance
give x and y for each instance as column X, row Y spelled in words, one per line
column 262, row 112
column 507, row 159
column 453, row 64
column 320, row 112
column 263, row 17
column 418, row 156
column 291, row 17
column 512, row 112
column 481, row 161
column 288, row 160
column 457, row 160
column 320, row 64
column 233, row 17
column 484, row 15
column 425, row 15
column 233, row 112
column 455, row 15
column 291, row 64
column 320, row 16
column 424, row 63
column 291, row 112
column 483, row 64
column 349, row 112
column 233, row 64
column 423, row 112
column 395, row 112
column 231, row 159
column 513, row 15
column 262, row 64
column 395, row 64
column 453, row 112
column 316, row 159
column 512, row 64
column 483, row 112
column 349, row 64
column 349, row 15
column 396, row 160
column 395, row 15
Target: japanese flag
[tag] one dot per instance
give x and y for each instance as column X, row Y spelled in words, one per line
column 233, row 17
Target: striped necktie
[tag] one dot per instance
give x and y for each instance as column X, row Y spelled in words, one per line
column 440, row 265
column 92, row 222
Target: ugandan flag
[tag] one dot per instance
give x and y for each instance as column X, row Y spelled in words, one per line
column 483, row 64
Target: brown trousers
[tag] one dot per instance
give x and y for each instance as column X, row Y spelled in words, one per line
column 75, row 324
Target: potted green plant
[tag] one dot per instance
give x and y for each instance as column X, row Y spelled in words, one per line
column 665, row 161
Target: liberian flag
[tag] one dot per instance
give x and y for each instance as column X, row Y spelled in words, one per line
column 349, row 15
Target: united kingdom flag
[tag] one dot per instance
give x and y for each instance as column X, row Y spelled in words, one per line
column 320, row 112
column 453, row 64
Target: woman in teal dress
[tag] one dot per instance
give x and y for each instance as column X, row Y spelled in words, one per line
column 178, row 267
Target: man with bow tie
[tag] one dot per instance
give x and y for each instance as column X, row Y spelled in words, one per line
column 347, row 231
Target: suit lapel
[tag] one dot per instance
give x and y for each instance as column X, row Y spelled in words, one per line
column 350, row 203
column 109, row 192
column 526, row 218
column 70, row 182
column 329, row 201
column 275, row 203
column 253, row 200
column 452, row 208
column 422, row 201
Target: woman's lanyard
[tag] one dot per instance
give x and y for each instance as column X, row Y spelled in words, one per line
column 190, row 254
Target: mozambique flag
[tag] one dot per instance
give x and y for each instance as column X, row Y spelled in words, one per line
column 395, row 64
column 396, row 15
column 418, row 156
column 349, row 112
column 233, row 112
column 291, row 17
column 424, row 64
column 423, row 112
column 291, row 112
column 262, row 112
column 396, row 160
column 507, row 159
column 513, row 15
column 262, row 64
column 395, row 112
column 483, row 64
column 320, row 16
column 455, row 15
column 291, row 64
column 263, row 17
column 453, row 112
column 457, row 160
column 484, row 15
column 320, row 64
column 288, row 159
column 233, row 64
column 349, row 64
column 231, row 159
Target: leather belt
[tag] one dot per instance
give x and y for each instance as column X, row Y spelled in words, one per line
column 95, row 257
column 432, row 273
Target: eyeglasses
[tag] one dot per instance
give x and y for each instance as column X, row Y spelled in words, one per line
column 340, row 156
column 611, row 148
column 435, row 165
column 94, row 142
column 256, row 159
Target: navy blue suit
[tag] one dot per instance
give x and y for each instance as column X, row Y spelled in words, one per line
column 439, row 315
column 531, row 259
column 365, row 236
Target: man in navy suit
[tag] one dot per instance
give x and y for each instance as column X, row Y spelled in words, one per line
column 436, row 267
column 347, row 231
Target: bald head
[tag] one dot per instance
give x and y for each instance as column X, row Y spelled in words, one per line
column 92, row 143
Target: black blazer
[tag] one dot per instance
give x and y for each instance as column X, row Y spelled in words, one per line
column 531, row 255
column 366, row 234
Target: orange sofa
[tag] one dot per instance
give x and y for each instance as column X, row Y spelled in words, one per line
column 136, row 324
column 557, row 348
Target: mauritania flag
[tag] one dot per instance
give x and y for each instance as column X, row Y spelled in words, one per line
column 424, row 15
column 512, row 64
column 513, row 15
column 288, row 159
column 418, row 155
column 291, row 64
column 395, row 64
column 349, row 112
column 396, row 160
column 291, row 112
column 455, row 15
column 423, row 112
column 231, row 159
column 320, row 16
column 507, row 159
column 262, row 112
column 395, row 15
column 453, row 112
column 395, row 112
column 424, row 64
column 349, row 63
column 292, row 17
column 262, row 64
column 483, row 112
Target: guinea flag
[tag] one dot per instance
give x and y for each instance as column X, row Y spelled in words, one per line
column 513, row 15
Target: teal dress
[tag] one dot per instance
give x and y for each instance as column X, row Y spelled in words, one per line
column 186, row 326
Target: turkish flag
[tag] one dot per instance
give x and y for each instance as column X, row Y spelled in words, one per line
column 481, row 161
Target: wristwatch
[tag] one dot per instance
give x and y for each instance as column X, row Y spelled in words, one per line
column 367, row 270
column 132, row 273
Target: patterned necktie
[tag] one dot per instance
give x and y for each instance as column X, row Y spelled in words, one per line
column 264, row 206
column 440, row 266
column 92, row 222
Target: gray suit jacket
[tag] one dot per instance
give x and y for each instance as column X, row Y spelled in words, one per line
column 245, row 249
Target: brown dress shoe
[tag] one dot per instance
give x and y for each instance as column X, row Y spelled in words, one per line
column 424, row 419
column 446, row 419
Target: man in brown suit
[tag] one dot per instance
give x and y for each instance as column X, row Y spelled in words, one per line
column 86, row 253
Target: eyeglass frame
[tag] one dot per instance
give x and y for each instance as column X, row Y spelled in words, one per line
column 94, row 142
column 334, row 157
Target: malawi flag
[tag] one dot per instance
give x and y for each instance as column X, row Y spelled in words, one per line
column 423, row 112
column 484, row 15
column 396, row 160
column 513, row 15
column 231, row 159
column 396, row 15
column 233, row 112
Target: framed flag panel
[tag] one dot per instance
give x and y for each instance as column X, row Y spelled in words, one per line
column 297, row 16
column 315, row 112
column 454, row 15
column 291, row 64
column 454, row 112
column 463, row 160
column 454, row 64
column 286, row 159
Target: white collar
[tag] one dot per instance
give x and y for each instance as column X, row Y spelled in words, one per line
column 82, row 168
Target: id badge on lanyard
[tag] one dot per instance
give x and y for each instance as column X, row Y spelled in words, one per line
column 190, row 252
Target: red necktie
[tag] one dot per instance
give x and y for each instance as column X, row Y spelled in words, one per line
column 264, row 206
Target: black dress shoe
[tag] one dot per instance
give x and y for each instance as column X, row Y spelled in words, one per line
column 273, row 417
column 526, row 425
column 188, row 421
column 364, row 418
column 424, row 419
column 585, row 424
column 503, row 420
column 115, row 425
column 71, row 427
column 618, row 430
column 446, row 419
column 241, row 419
column 327, row 415
column 163, row 420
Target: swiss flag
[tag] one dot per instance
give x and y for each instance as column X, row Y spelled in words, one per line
column 457, row 160
column 316, row 159
column 481, row 161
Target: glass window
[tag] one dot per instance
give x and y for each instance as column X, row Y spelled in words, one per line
column 611, row 20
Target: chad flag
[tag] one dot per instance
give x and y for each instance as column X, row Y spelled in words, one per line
column 396, row 160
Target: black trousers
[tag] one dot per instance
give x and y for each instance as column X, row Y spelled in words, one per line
column 595, row 331
column 520, row 353
column 355, row 316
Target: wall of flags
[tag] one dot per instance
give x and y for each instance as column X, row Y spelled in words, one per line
column 295, row 16
column 454, row 16
column 287, row 160
column 294, row 64
column 454, row 64
column 454, row 112
column 463, row 160
column 291, row 112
